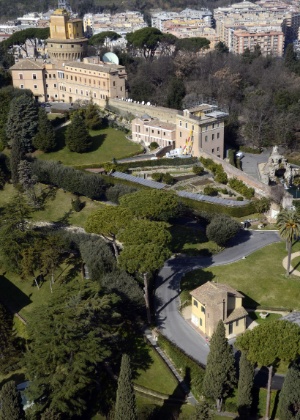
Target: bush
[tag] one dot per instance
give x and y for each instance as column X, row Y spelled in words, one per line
column 153, row 145
column 168, row 179
column 159, row 162
column 221, row 229
column 221, row 176
column 216, row 169
column 157, row 176
column 231, row 157
column 241, row 188
column 211, row 191
column 77, row 205
column 240, row 199
column 115, row 192
column 263, row 205
column 198, row 170
column 184, row 363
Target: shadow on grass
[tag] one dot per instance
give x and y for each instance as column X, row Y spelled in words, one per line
column 11, row 296
column 250, row 303
column 97, row 142
column 182, row 236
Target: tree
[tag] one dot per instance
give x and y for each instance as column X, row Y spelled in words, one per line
column 125, row 402
column 45, row 137
column 152, row 204
column 28, row 181
column 290, row 58
column 268, row 343
column 8, row 353
column 33, row 35
column 289, row 397
column 104, row 37
column 68, row 339
column 221, row 229
column 21, row 127
column 77, row 135
column 245, row 385
column 108, row 222
column 203, row 412
column 288, row 223
column 194, row 44
column 221, row 47
column 11, row 402
column 146, row 40
column 176, row 94
column 92, row 118
column 219, row 378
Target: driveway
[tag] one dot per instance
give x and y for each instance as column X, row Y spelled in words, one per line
column 251, row 161
column 167, row 301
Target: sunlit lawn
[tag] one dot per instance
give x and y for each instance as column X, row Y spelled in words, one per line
column 260, row 277
column 108, row 143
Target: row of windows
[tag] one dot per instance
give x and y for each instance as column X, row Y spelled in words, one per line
column 196, row 304
column 215, row 125
column 212, row 137
column 89, row 81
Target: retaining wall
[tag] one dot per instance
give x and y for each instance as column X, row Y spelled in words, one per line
column 163, row 114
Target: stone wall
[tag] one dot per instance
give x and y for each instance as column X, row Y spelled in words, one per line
column 262, row 190
column 137, row 110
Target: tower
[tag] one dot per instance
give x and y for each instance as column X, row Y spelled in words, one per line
column 67, row 41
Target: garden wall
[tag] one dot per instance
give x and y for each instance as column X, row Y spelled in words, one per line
column 261, row 189
column 163, row 114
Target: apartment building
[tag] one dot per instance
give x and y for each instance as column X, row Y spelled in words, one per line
column 122, row 23
column 270, row 23
column 68, row 75
column 196, row 130
column 185, row 18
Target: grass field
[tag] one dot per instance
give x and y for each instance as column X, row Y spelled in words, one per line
column 260, row 277
column 108, row 143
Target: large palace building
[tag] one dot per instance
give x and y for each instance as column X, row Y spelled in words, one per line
column 69, row 74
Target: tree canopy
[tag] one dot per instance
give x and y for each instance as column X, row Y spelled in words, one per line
column 288, row 223
column 195, row 44
column 11, row 402
column 289, row 398
column 77, row 135
column 146, row 40
column 31, row 34
column 125, row 402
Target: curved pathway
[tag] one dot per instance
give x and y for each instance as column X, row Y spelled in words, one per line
column 169, row 319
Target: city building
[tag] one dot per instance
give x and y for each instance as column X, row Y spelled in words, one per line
column 270, row 42
column 68, row 75
column 213, row 302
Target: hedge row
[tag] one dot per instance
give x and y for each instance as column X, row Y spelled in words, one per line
column 216, row 168
column 184, row 364
column 241, row 188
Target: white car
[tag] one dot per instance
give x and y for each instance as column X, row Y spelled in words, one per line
column 239, row 155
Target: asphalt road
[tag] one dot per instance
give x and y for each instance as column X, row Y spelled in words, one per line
column 167, row 301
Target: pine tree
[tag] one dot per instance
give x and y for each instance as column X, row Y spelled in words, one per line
column 45, row 138
column 11, row 403
column 245, row 385
column 125, row 403
column 289, row 398
column 93, row 121
column 77, row 135
column 8, row 354
column 219, row 378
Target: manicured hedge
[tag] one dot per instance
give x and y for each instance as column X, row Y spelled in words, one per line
column 241, row 188
column 242, row 211
column 216, row 169
column 184, row 364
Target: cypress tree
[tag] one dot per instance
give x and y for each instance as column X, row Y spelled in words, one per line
column 219, row 378
column 203, row 412
column 45, row 138
column 93, row 121
column 245, row 385
column 125, row 403
column 11, row 403
column 77, row 135
column 289, row 398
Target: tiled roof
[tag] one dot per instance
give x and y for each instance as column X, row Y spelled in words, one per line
column 237, row 313
column 27, row 64
column 207, row 291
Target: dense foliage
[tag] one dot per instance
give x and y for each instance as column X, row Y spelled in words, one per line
column 289, row 398
column 221, row 229
column 125, row 402
column 11, row 403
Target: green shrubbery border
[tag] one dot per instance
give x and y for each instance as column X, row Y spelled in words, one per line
column 184, row 364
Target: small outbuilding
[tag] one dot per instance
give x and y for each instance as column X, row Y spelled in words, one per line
column 214, row 301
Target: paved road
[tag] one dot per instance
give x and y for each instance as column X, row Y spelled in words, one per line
column 251, row 161
column 169, row 320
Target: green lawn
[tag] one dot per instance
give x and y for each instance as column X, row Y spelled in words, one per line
column 260, row 277
column 271, row 317
column 108, row 143
column 158, row 369
column 191, row 241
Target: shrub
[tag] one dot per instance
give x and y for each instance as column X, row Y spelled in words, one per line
column 157, row 176
column 231, row 157
column 198, row 170
column 115, row 192
column 241, row 188
column 221, row 229
column 168, row 179
column 216, row 169
column 153, row 145
column 77, row 205
column 211, row 191
column 242, row 211
column 221, row 176
column 263, row 205
column 184, row 363
column 240, row 199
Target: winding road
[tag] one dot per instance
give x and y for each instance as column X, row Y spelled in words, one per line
column 167, row 300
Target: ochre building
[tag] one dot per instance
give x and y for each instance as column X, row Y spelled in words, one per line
column 69, row 75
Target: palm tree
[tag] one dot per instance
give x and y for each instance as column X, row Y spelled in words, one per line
column 288, row 223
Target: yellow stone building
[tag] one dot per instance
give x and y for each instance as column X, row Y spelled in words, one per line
column 69, row 75
column 213, row 302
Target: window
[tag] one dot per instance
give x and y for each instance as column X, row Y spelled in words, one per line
column 180, row 134
column 192, row 127
column 35, row 86
column 218, row 149
column 218, row 135
column 21, row 86
column 47, row 85
column 71, row 77
column 55, row 85
column 72, row 46
column 34, row 76
column 213, row 137
column 54, row 76
column 200, row 322
column 186, row 125
column 213, row 126
column 55, row 96
column 81, row 92
column 180, row 123
column 76, row 90
column 203, row 309
column 114, row 83
column 212, row 150
column 21, row 76
column 49, row 76
column 237, row 323
column 95, row 95
column 152, row 131
column 70, row 90
column 195, row 303
column 158, row 132
column 146, row 130
column 87, row 93
column 206, row 138
column 164, row 133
